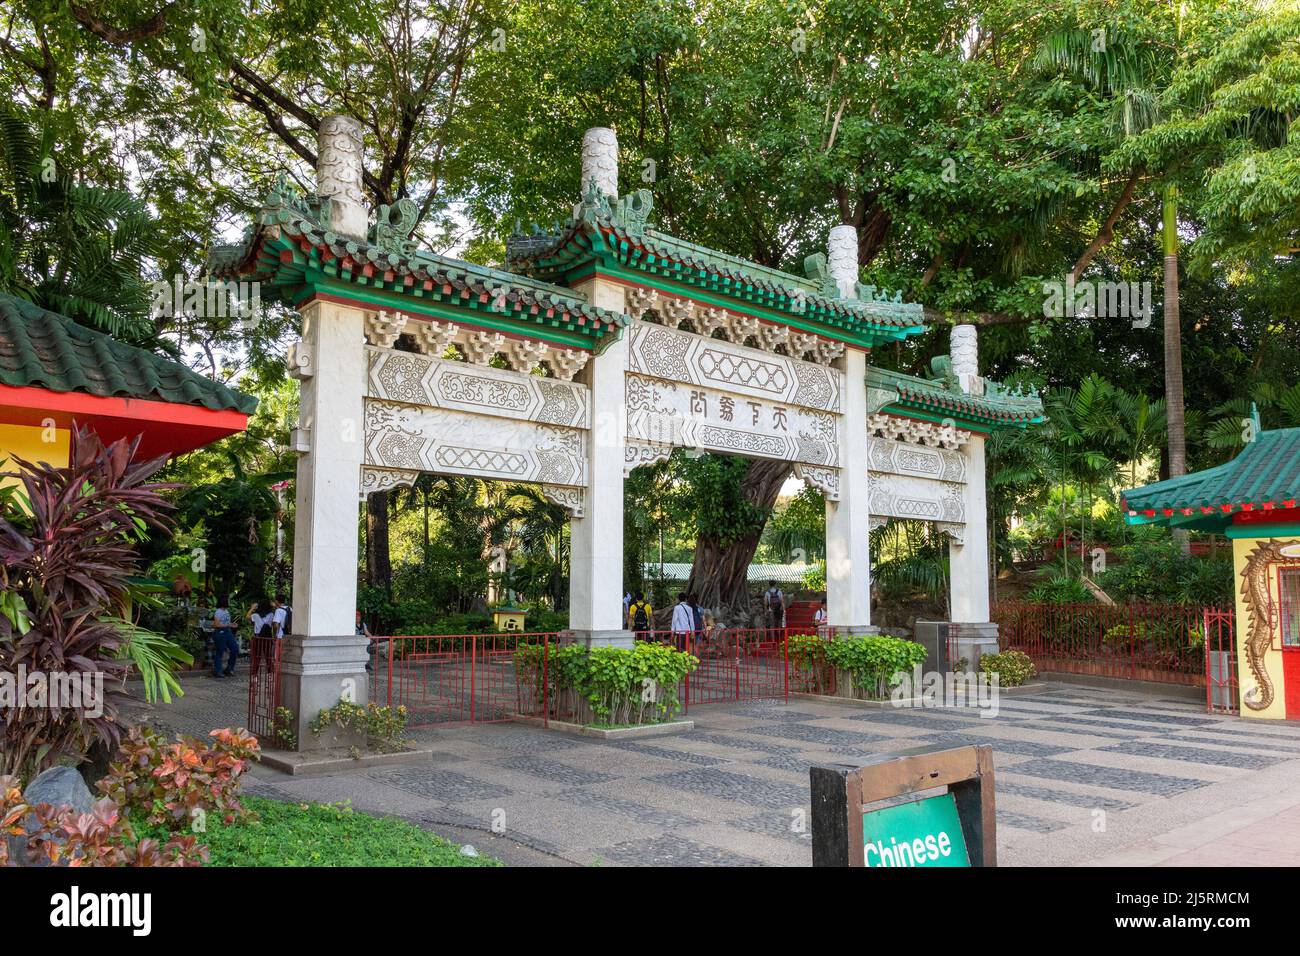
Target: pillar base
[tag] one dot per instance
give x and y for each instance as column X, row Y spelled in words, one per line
column 971, row 641
column 599, row 638
column 855, row 630
column 315, row 674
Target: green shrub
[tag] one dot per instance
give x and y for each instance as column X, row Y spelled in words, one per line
column 622, row 685
column 1159, row 572
column 875, row 662
column 1060, row 588
column 1012, row 667
column 382, row 727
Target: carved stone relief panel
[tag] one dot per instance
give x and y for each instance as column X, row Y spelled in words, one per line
column 664, row 413
column 420, row 380
column 685, row 357
column 921, row 499
column 915, row 431
column 447, row 441
column 904, row 458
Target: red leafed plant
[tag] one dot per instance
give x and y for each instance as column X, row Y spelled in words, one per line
column 172, row 782
column 102, row 837
column 67, row 549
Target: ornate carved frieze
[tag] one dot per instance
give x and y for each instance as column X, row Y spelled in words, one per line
column 676, row 356
column 420, row 380
column 446, row 441
column 825, row 480
column 736, row 328
column 921, row 499
column 479, row 347
column 678, row 414
column 382, row 479
column 897, row 428
column 888, row 456
column 570, row 499
column 636, row 454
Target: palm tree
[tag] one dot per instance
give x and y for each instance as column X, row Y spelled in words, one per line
column 72, row 248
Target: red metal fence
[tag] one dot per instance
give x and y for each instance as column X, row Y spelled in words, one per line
column 456, row 678
column 263, row 686
column 1153, row 642
column 1221, row 695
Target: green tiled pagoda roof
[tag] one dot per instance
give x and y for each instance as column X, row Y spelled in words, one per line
column 943, row 397
column 616, row 234
column 291, row 253
column 43, row 349
column 1264, row 477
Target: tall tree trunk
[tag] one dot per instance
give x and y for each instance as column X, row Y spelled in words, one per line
column 719, row 574
column 1174, row 353
column 379, row 567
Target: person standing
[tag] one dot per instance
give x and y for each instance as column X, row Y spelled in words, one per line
column 819, row 618
column 774, row 603
column 223, row 639
column 262, row 617
column 282, row 615
column 697, row 616
column 639, row 614
column 683, row 621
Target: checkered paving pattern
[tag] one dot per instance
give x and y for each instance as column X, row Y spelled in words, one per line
column 1081, row 773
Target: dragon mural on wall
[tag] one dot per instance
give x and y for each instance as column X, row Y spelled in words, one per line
column 1259, row 633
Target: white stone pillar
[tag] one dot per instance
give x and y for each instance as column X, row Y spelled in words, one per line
column 968, row 562
column 848, row 554
column 596, row 539
column 600, row 161
column 842, row 259
column 324, row 661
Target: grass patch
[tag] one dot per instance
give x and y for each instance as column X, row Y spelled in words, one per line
column 321, row 834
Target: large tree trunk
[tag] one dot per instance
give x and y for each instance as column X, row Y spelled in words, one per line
column 379, row 567
column 719, row 575
column 1174, row 353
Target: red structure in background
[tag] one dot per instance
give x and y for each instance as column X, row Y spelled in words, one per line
column 165, row 428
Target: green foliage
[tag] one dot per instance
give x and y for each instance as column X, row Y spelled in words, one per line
column 70, row 554
column 1060, row 588
column 622, row 686
column 1159, row 572
column 1012, row 667
column 172, row 782
column 875, row 662
column 382, row 727
column 154, row 657
column 316, row 834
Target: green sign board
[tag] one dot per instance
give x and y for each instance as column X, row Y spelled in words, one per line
column 920, row 833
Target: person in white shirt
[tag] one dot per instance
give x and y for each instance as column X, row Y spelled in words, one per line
column 280, row 616
column 819, row 618
column 683, row 621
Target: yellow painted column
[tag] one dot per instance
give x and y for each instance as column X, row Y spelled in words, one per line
column 32, row 443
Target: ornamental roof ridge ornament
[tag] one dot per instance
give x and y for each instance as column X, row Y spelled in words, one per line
column 290, row 239
column 616, row 233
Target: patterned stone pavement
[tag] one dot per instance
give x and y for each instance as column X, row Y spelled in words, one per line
column 1084, row 775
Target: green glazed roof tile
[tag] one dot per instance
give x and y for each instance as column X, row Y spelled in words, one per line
column 997, row 407
column 290, row 241
column 43, row 349
column 1265, row 476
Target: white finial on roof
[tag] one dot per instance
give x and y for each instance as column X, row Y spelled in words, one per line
column 842, row 259
column 600, row 161
column 964, row 349
column 339, row 168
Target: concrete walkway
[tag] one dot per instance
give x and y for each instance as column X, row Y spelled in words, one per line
column 1084, row 776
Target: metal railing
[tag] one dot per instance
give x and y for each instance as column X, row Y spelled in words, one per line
column 1155, row 642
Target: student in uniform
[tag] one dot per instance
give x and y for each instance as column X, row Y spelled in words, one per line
column 639, row 614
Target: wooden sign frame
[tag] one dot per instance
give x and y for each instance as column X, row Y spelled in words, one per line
column 841, row 791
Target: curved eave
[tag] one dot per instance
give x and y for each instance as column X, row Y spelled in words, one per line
column 295, row 265
column 795, row 301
